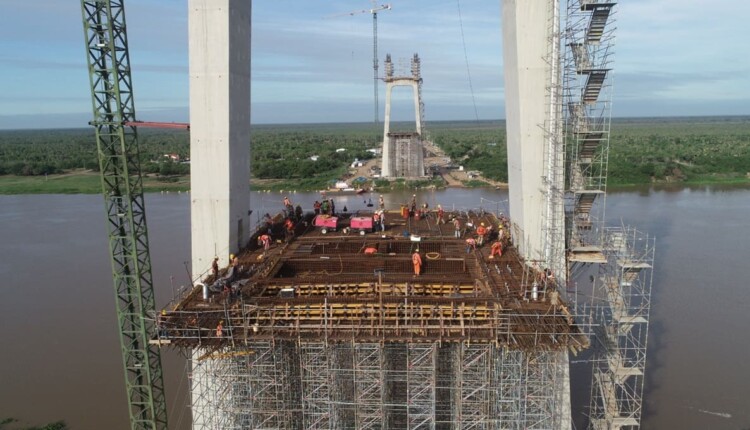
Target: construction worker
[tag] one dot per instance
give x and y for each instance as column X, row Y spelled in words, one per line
column 413, row 204
column 233, row 260
column 481, row 231
column 457, row 225
column 289, row 228
column 215, row 267
column 497, row 249
column 381, row 202
column 265, row 240
column 471, row 245
column 416, row 259
column 316, row 207
column 220, row 329
column 376, row 220
column 440, row 215
column 287, row 202
column 382, row 220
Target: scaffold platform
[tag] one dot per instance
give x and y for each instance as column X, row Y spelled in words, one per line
column 356, row 286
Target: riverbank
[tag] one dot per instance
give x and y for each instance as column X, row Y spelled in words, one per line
column 89, row 182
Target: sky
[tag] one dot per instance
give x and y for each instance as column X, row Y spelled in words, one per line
column 672, row 58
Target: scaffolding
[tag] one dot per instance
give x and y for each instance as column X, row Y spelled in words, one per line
column 589, row 41
column 554, row 155
column 362, row 343
column 624, row 302
column 349, row 385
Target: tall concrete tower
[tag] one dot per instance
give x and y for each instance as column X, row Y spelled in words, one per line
column 219, row 43
column 531, row 66
column 402, row 152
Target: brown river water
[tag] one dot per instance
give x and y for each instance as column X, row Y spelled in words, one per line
column 59, row 349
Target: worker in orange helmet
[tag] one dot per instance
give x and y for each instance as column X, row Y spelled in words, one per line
column 416, row 259
column 481, row 231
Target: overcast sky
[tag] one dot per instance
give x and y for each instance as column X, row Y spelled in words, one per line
column 673, row 57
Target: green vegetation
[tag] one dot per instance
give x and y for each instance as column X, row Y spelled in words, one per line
column 689, row 150
column 684, row 150
column 59, row 425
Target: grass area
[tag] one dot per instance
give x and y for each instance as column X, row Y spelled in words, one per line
column 80, row 182
column 689, row 151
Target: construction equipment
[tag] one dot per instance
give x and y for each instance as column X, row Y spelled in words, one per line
column 122, row 186
column 374, row 11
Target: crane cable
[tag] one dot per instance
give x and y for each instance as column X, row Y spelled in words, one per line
column 466, row 58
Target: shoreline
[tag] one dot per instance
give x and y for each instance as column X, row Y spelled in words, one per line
column 90, row 183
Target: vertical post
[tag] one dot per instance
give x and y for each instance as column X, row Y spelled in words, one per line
column 219, row 44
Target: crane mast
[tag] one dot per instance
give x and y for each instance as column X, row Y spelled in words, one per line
column 374, row 11
column 122, row 187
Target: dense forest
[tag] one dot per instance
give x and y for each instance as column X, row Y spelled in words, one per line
column 641, row 150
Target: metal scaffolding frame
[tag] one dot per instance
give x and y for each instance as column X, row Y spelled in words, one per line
column 624, row 302
column 589, row 42
column 349, row 385
column 554, row 154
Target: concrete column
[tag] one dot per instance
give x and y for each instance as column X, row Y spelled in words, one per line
column 387, row 170
column 219, row 43
column 526, row 34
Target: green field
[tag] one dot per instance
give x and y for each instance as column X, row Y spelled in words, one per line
column 695, row 150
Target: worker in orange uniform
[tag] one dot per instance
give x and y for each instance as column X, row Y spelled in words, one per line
column 220, row 329
column 289, row 228
column 496, row 250
column 481, row 231
column 265, row 240
column 416, row 259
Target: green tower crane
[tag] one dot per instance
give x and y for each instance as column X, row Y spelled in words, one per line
column 117, row 144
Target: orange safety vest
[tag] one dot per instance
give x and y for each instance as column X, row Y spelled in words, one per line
column 416, row 259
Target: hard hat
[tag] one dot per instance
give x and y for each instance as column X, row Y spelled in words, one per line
column 482, row 224
column 417, row 250
column 231, row 256
column 216, row 258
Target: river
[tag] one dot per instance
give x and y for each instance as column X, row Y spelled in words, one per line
column 59, row 349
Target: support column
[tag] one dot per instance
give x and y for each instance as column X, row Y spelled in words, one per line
column 526, row 34
column 219, row 43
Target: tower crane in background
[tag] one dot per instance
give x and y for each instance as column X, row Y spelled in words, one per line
column 374, row 11
column 122, row 186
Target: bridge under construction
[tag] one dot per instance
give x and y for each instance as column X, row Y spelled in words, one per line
column 343, row 330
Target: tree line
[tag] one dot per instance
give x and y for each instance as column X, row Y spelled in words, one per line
column 641, row 150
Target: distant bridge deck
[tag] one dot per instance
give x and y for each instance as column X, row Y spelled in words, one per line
column 324, row 287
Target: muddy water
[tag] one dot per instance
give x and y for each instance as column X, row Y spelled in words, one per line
column 59, row 350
